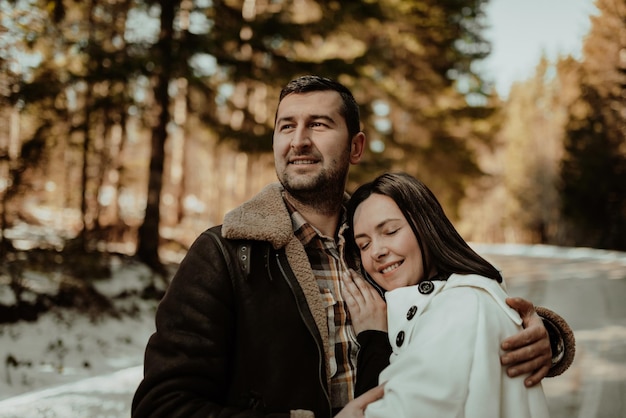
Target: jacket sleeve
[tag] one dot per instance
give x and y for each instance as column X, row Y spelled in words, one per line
column 562, row 341
column 430, row 375
column 373, row 357
column 187, row 359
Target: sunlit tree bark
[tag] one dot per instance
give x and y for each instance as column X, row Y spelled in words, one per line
column 148, row 236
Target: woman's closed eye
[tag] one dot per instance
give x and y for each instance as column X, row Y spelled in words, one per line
column 363, row 245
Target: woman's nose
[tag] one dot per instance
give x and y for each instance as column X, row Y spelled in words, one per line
column 380, row 250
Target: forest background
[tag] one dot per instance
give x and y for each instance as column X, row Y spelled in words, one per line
column 127, row 127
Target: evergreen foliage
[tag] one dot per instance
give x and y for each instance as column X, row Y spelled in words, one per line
column 594, row 166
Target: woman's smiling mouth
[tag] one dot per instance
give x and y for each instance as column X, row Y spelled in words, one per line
column 391, row 267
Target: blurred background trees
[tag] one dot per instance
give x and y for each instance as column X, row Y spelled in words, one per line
column 130, row 126
column 593, row 173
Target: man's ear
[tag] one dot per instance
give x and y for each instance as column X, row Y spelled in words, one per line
column 356, row 148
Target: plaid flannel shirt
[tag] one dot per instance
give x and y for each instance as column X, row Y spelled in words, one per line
column 327, row 261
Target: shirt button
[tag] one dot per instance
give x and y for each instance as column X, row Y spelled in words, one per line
column 425, row 287
column 400, row 338
column 411, row 313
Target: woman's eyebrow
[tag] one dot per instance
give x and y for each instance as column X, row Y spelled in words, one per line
column 378, row 227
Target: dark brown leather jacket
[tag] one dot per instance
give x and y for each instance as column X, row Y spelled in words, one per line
column 238, row 339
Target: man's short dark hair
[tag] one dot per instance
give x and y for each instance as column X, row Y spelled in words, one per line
column 308, row 83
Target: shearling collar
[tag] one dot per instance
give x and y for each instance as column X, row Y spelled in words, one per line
column 262, row 218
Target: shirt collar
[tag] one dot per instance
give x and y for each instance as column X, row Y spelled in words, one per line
column 305, row 232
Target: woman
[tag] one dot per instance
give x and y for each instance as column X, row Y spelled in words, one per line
column 446, row 310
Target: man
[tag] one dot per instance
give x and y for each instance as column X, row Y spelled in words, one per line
column 253, row 323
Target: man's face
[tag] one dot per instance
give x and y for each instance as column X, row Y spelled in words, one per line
column 312, row 150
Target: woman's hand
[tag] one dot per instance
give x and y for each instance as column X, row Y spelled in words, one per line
column 368, row 310
column 356, row 407
column 529, row 350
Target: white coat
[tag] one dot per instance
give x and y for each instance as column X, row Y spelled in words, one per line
column 446, row 354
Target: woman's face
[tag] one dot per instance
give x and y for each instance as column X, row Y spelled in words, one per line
column 389, row 249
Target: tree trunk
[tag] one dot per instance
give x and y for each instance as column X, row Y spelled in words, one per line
column 148, row 234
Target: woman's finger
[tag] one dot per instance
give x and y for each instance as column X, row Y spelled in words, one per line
column 352, row 296
column 370, row 295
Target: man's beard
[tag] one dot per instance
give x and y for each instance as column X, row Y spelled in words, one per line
column 323, row 192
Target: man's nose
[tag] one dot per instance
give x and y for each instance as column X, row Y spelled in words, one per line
column 301, row 138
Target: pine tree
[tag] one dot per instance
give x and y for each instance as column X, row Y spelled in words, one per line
column 594, row 167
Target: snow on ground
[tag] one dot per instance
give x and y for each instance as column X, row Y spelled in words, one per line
column 550, row 251
column 105, row 396
column 65, row 345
